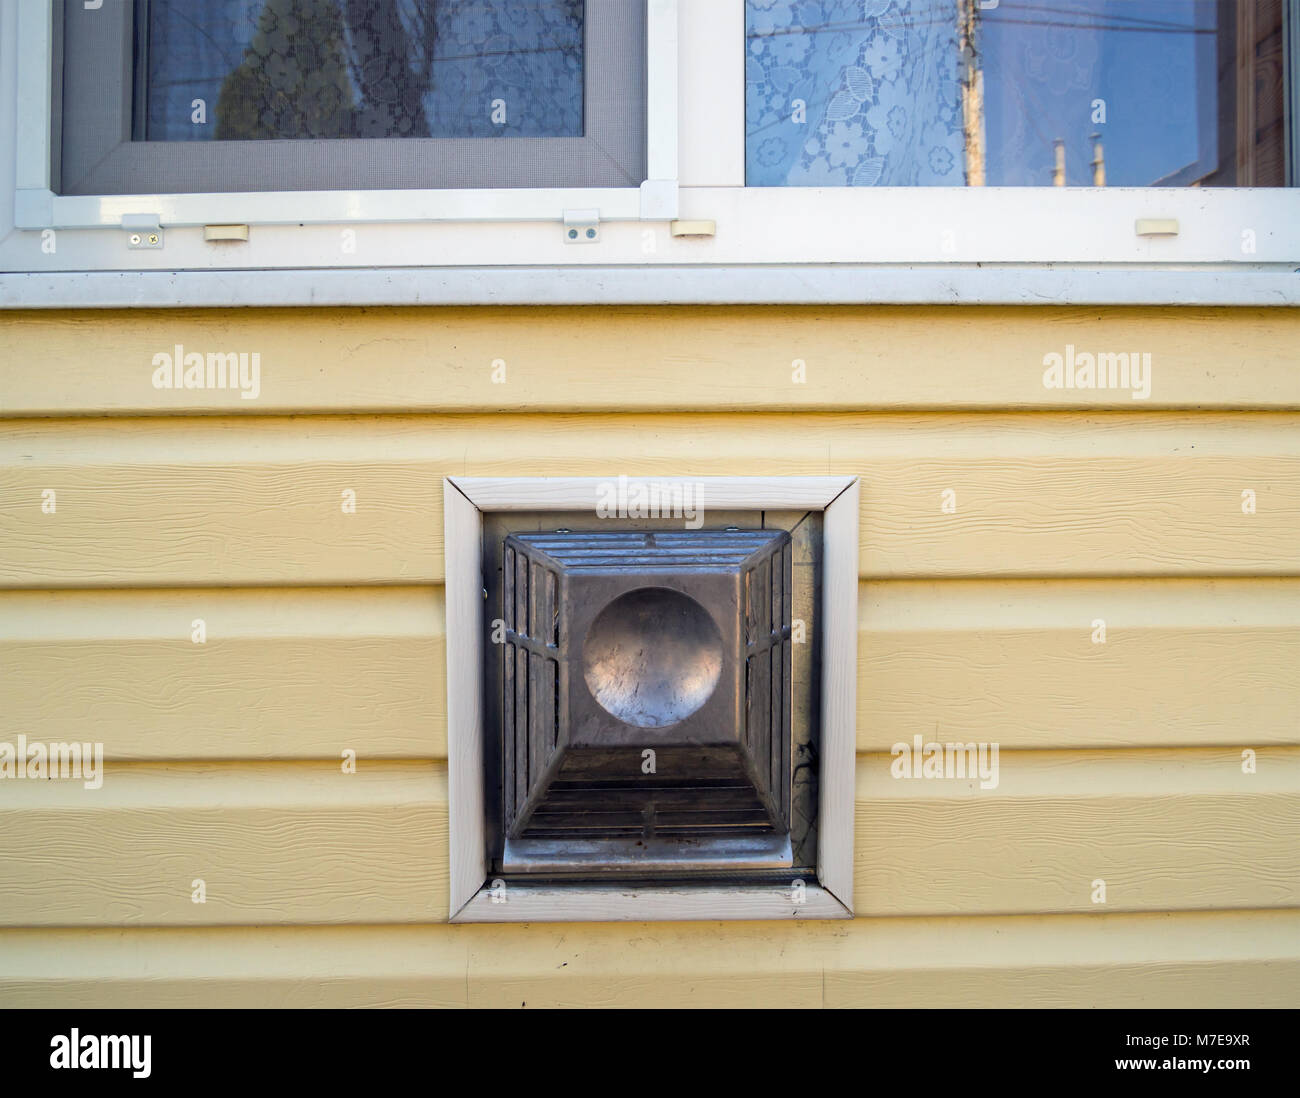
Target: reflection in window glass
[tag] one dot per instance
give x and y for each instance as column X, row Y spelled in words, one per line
column 902, row 93
column 255, row 69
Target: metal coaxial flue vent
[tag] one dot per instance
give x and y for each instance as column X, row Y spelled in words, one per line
column 646, row 700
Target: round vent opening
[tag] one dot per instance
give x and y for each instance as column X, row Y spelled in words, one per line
column 652, row 657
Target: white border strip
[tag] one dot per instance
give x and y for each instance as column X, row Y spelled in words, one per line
column 35, row 74
column 540, row 904
column 463, row 532
column 464, row 501
column 661, row 90
column 1265, row 285
column 584, row 493
column 43, row 209
column 839, row 698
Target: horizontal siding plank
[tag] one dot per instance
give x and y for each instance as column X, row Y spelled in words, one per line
column 1184, row 661
column 273, row 843
column 304, row 843
column 262, row 501
column 325, row 670
column 1165, row 830
column 667, row 358
column 1198, row 662
column 1202, row 959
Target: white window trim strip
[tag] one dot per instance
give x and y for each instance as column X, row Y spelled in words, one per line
column 936, row 226
column 659, row 191
column 465, row 499
column 711, row 127
column 1276, row 285
column 41, row 209
column 33, row 99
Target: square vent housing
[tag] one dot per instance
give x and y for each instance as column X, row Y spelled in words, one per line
column 646, row 701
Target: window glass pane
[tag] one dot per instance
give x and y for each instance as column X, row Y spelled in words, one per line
column 1126, row 93
column 359, row 68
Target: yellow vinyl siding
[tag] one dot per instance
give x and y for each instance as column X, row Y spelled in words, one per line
column 1166, row 830
column 1196, row 662
column 645, row 359
column 326, row 632
column 1186, row 661
column 321, row 669
column 303, row 843
column 178, row 501
column 272, row 842
column 1228, row 959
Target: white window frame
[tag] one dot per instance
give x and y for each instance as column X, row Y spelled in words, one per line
column 37, row 206
column 465, row 500
column 949, row 227
column 691, row 233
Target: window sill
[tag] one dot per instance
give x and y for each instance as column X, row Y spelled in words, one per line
column 659, row 284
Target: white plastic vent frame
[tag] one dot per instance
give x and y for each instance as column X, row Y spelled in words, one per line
column 465, row 499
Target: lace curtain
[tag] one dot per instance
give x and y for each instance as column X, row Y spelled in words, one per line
column 878, row 84
column 868, row 92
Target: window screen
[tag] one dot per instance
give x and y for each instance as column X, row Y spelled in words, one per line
column 167, row 96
